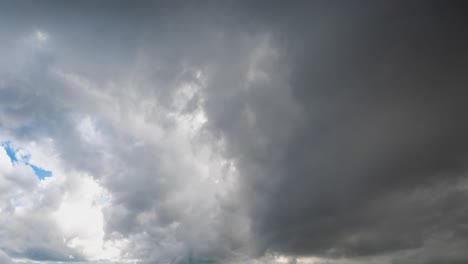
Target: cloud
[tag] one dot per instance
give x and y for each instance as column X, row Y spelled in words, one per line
column 356, row 149
column 4, row 258
column 235, row 133
column 28, row 229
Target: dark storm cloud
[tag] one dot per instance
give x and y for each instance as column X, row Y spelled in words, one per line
column 347, row 121
column 381, row 90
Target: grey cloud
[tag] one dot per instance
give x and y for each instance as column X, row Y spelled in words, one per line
column 34, row 236
column 346, row 123
column 4, row 258
column 158, row 201
column 379, row 89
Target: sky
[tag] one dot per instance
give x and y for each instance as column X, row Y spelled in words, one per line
column 233, row 132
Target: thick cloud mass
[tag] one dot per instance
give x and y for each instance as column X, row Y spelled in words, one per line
column 360, row 148
column 381, row 128
column 235, row 132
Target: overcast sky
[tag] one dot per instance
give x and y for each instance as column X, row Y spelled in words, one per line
column 234, row 132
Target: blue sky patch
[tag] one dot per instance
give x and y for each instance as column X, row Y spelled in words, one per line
column 11, row 152
column 40, row 173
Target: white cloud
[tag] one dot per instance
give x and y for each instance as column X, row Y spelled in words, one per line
column 80, row 218
column 89, row 133
column 41, row 36
column 71, row 202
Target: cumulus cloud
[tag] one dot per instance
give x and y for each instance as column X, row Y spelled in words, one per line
column 235, row 132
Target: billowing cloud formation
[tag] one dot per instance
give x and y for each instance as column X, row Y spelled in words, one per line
column 235, row 132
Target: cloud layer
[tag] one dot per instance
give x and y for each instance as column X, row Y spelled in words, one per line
column 234, row 132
